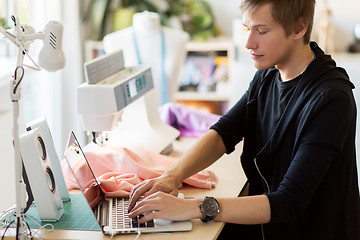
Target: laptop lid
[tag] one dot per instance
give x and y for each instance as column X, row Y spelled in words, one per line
column 76, row 159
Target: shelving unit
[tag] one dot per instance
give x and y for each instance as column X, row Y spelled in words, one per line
column 202, row 65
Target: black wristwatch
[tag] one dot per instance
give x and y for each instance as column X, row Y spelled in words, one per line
column 209, row 208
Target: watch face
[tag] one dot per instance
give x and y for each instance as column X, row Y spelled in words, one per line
column 210, row 207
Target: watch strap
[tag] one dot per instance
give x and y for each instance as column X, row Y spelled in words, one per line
column 206, row 218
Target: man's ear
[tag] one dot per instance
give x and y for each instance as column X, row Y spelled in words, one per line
column 300, row 29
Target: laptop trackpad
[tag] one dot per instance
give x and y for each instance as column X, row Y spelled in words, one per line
column 162, row 222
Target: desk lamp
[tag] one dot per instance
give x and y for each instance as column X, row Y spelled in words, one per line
column 51, row 58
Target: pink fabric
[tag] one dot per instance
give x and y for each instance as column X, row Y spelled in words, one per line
column 119, row 169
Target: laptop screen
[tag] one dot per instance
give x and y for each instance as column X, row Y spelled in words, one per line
column 81, row 169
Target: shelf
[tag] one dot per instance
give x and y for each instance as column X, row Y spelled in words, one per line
column 222, row 43
column 207, row 66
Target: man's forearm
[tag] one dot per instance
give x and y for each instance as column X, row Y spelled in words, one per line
column 202, row 154
column 244, row 210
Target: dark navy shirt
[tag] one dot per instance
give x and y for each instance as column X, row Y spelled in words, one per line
column 299, row 138
column 276, row 102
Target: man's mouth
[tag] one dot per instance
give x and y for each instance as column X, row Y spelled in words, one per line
column 255, row 56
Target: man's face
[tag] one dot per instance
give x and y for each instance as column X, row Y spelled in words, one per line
column 267, row 42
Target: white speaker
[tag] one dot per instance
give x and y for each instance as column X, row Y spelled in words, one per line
column 40, row 173
column 56, row 167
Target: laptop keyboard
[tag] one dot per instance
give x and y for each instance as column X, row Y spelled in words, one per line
column 120, row 216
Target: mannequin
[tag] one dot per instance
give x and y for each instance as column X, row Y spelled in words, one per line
column 146, row 33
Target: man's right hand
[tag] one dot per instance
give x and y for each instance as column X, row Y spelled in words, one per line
column 164, row 183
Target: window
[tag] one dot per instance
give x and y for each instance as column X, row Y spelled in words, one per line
column 36, row 88
column 6, row 54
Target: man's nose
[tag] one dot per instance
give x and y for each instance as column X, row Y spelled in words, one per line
column 250, row 43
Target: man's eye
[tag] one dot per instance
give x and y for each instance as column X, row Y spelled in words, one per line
column 262, row 32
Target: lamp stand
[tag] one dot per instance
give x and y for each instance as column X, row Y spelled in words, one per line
column 19, row 185
column 22, row 39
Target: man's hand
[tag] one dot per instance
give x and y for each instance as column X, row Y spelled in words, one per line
column 165, row 206
column 164, row 183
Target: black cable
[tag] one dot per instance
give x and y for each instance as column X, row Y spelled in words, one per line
column 13, row 19
column 3, row 236
column 15, row 76
column 28, row 227
column 17, row 228
column 30, row 195
column 94, row 137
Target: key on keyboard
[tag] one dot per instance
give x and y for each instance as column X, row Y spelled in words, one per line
column 121, row 217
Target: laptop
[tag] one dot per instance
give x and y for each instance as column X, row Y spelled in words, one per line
column 111, row 213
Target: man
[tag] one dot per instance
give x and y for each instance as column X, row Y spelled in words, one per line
column 297, row 120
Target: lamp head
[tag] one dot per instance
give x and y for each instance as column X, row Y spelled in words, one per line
column 51, row 56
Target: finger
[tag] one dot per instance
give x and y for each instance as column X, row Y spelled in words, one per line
column 148, row 217
column 138, row 192
column 175, row 192
column 143, row 209
column 133, row 199
column 148, row 188
column 134, row 188
column 148, row 204
column 143, row 202
column 154, row 189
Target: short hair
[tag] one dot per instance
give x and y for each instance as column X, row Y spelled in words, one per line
column 287, row 13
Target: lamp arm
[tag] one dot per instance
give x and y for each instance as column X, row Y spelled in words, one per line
column 34, row 36
column 8, row 35
column 20, row 44
column 31, row 38
column 37, row 67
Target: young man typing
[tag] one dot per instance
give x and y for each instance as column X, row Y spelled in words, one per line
column 297, row 120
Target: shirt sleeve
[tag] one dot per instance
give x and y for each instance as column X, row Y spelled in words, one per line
column 322, row 142
column 230, row 125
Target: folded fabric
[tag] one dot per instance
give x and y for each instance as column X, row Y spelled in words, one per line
column 189, row 122
column 118, row 169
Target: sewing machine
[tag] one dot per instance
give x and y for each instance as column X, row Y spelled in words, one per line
column 113, row 93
